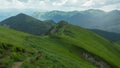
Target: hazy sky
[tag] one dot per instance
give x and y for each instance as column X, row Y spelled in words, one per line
column 64, row 5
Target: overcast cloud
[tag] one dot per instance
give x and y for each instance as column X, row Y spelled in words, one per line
column 64, row 5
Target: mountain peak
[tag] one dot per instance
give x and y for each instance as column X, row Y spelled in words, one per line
column 24, row 17
column 22, row 14
column 28, row 24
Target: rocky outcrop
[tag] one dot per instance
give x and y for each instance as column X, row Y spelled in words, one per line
column 98, row 62
column 92, row 58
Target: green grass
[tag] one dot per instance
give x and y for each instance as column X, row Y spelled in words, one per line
column 60, row 49
column 90, row 42
column 24, row 46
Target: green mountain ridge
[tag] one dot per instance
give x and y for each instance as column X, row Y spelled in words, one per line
column 62, row 48
column 90, row 40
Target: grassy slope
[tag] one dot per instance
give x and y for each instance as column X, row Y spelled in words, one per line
column 25, row 48
column 59, row 49
column 117, row 46
column 91, row 42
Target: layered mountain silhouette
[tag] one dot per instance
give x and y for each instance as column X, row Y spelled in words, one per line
column 25, row 23
column 92, row 19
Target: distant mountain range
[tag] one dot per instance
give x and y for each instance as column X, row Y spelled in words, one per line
column 92, row 19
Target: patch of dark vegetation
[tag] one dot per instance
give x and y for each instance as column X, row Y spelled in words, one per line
column 2, row 65
column 11, row 51
column 5, row 46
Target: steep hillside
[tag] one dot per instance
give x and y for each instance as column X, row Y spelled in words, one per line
column 66, row 46
column 88, row 41
column 27, row 51
column 111, row 36
column 25, row 23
